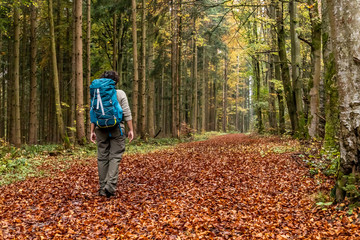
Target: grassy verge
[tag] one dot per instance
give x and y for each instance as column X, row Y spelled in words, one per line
column 17, row 164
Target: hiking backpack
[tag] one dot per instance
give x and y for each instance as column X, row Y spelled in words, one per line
column 105, row 110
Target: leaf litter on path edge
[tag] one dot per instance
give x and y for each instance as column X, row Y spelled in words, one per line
column 229, row 187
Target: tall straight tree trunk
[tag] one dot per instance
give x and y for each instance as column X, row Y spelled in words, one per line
column 80, row 128
column 272, row 97
column 224, row 117
column 285, row 74
column 194, row 101
column 280, row 97
column 203, row 93
column 115, row 42
column 331, row 92
column 295, row 66
column 72, row 83
column 256, row 72
column 345, row 24
column 143, row 74
column 88, row 67
column 121, row 50
column 59, row 117
column 151, row 95
column 174, row 69
column 33, row 124
column 316, row 78
column 16, row 96
column 178, row 91
column 135, row 92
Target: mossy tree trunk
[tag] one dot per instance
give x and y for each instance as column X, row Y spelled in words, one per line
column 331, row 92
column 345, row 34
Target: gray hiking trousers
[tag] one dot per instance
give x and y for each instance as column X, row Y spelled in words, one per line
column 111, row 146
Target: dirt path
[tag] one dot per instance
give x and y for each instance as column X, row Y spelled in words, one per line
column 229, row 187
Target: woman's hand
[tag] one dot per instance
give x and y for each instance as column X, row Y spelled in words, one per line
column 130, row 136
column 93, row 137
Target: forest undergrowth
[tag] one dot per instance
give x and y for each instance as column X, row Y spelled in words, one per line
column 228, row 187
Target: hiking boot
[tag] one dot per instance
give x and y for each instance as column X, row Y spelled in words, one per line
column 102, row 192
column 108, row 194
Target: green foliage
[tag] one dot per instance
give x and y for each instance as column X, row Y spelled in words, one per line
column 352, row 187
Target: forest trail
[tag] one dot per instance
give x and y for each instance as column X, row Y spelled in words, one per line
column 229, row 187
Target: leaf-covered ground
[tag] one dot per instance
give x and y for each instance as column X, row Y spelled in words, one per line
column 229, row 187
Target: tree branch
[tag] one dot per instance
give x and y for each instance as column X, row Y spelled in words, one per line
column 305, row 41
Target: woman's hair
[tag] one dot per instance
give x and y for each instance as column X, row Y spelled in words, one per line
column 112, row 75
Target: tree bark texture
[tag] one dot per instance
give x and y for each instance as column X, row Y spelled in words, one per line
column 16, row 96
column 59, row 116
column 345, row 24
column 143, row 97
column 285, row 74
column 33, row 123
column 135, row 93
column 331, row 92
column 316, row 78
column 224, row 100
column 295, row 65
column 80, row 128
column 88, row 67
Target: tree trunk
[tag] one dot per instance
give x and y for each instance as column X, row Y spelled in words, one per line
column 151, row 95
column 178, row 91
column 16, row 96
column 174, row 70
column 142, row 124
column 88, row 67
column 224, row 117
column 331, row 92
column 280, row 97
column 345, row 24
column 80, row 128
column 59, row 117
column 72, row 83
column 272, row 98
column 315, row 83
column 33, row 124
column 194, row 101
column 295, row 66
column 203, row 93
column 285, row 74
column 135, row 92
column 115, row 42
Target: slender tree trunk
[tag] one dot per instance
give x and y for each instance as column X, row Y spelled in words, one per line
column 174, row 69
column 73, row 82
column 55, row 74
column 16, row 138
column 178, row 90
column 272, row 98
column 135, row 92
column 194, row 99
column 295, row 66
column 285, row 74
column 80, row 128
column 224, row 117
column 315, row 83
column 280, row 97
column 88, row 67
column 33, row 79
column 331, row 92
column 115, row 42
column 143, row 97
column 203, row 94
column 345, row 24
column 151, row 99
column 121, row 50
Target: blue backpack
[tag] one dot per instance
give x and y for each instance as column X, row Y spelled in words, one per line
column 105, row 110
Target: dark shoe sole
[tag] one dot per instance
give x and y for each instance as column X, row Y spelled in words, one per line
column 108, row 194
